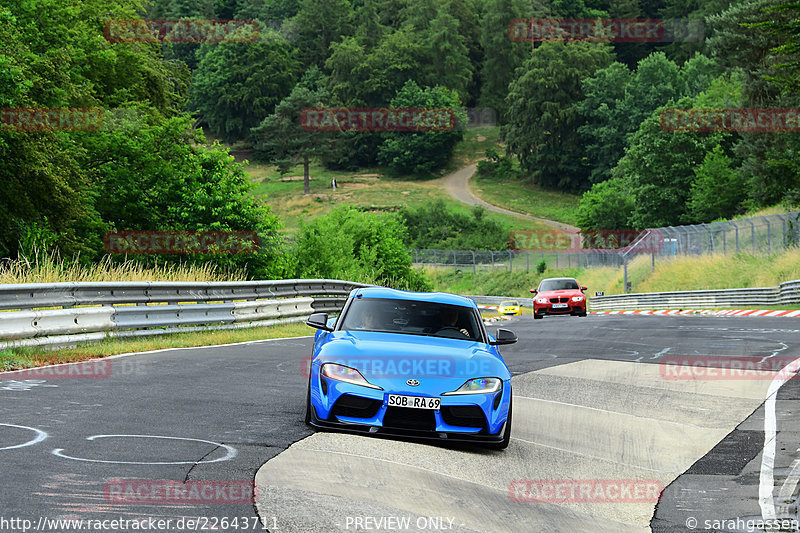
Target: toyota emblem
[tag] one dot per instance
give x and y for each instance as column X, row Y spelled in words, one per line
column 412, row 382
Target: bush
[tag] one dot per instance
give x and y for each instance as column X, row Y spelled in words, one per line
column 497, row 166
column 435, row 226
column 541, row 266
column 357, row 246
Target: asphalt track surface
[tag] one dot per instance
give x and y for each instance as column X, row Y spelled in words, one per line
column 591, row 403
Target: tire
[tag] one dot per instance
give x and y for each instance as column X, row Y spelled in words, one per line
column 503, row 444
column 308, row 403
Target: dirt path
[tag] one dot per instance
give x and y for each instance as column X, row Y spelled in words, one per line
column 457, row 184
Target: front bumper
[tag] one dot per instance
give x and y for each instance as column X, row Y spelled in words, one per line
column 348, row 407
column 572, row 308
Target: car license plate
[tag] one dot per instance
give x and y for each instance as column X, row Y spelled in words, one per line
column 560, row 306
column 417, row 402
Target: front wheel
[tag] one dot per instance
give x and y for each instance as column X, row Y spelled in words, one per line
column 503, row 444
column 308, row 404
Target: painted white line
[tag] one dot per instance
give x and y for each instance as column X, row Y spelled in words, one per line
column 40, row 436
column 787, row 489
column 231, row 451
column 129, row 354
column 766, row 483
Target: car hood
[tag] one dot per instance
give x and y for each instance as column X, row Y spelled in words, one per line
column 393, row 356
column 559, row 294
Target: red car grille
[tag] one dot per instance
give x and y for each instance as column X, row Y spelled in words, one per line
column 559, row 300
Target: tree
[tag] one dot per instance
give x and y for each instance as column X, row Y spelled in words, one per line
column 422, row 152
column 281, row 139
column 502, row 56
column 449, row 64
column 742, row 39
column 317, row 25
column 544, row 118
column 659, row 170
column 236, row 85
column 718, row 190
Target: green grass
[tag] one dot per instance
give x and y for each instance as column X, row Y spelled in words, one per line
column 528, row 198
column 473, row 147
column 28, row 357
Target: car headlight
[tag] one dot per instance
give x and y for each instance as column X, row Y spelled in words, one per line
column 346, row 374
column 478, row 386
column 577, row 298
column 541, row 300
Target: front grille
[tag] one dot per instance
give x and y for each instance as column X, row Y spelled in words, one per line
column 559, row 300
column 355, row 406
column 407, row 418
column 464, row 415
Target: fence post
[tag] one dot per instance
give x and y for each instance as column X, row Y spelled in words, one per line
column 527, row 261
column 510, row 261
column 491, row 252
column 473, row 262
column 625, row 272
column 769, row 234
column 454, row 261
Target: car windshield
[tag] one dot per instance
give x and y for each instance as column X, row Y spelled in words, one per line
column 509, row 303
column 558, row 285
column 412, row 317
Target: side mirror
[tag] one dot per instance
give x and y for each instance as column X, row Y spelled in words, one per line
column 584, row 288
column 504, row 336
column 534, row 291
column 319, row 321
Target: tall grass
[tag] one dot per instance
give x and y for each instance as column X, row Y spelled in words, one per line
column 43, row 267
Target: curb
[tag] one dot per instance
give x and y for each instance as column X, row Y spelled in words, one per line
column 706, row 312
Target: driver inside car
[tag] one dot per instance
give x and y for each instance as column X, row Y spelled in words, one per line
column 449, row 320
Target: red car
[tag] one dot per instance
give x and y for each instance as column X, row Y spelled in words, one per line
column 559, row 296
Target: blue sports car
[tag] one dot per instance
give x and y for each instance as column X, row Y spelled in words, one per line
column 410, row 363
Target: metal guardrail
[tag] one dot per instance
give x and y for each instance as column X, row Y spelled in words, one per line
column 788, row 293
column 63, row 314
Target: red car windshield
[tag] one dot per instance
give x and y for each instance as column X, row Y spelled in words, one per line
column 558, row 285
